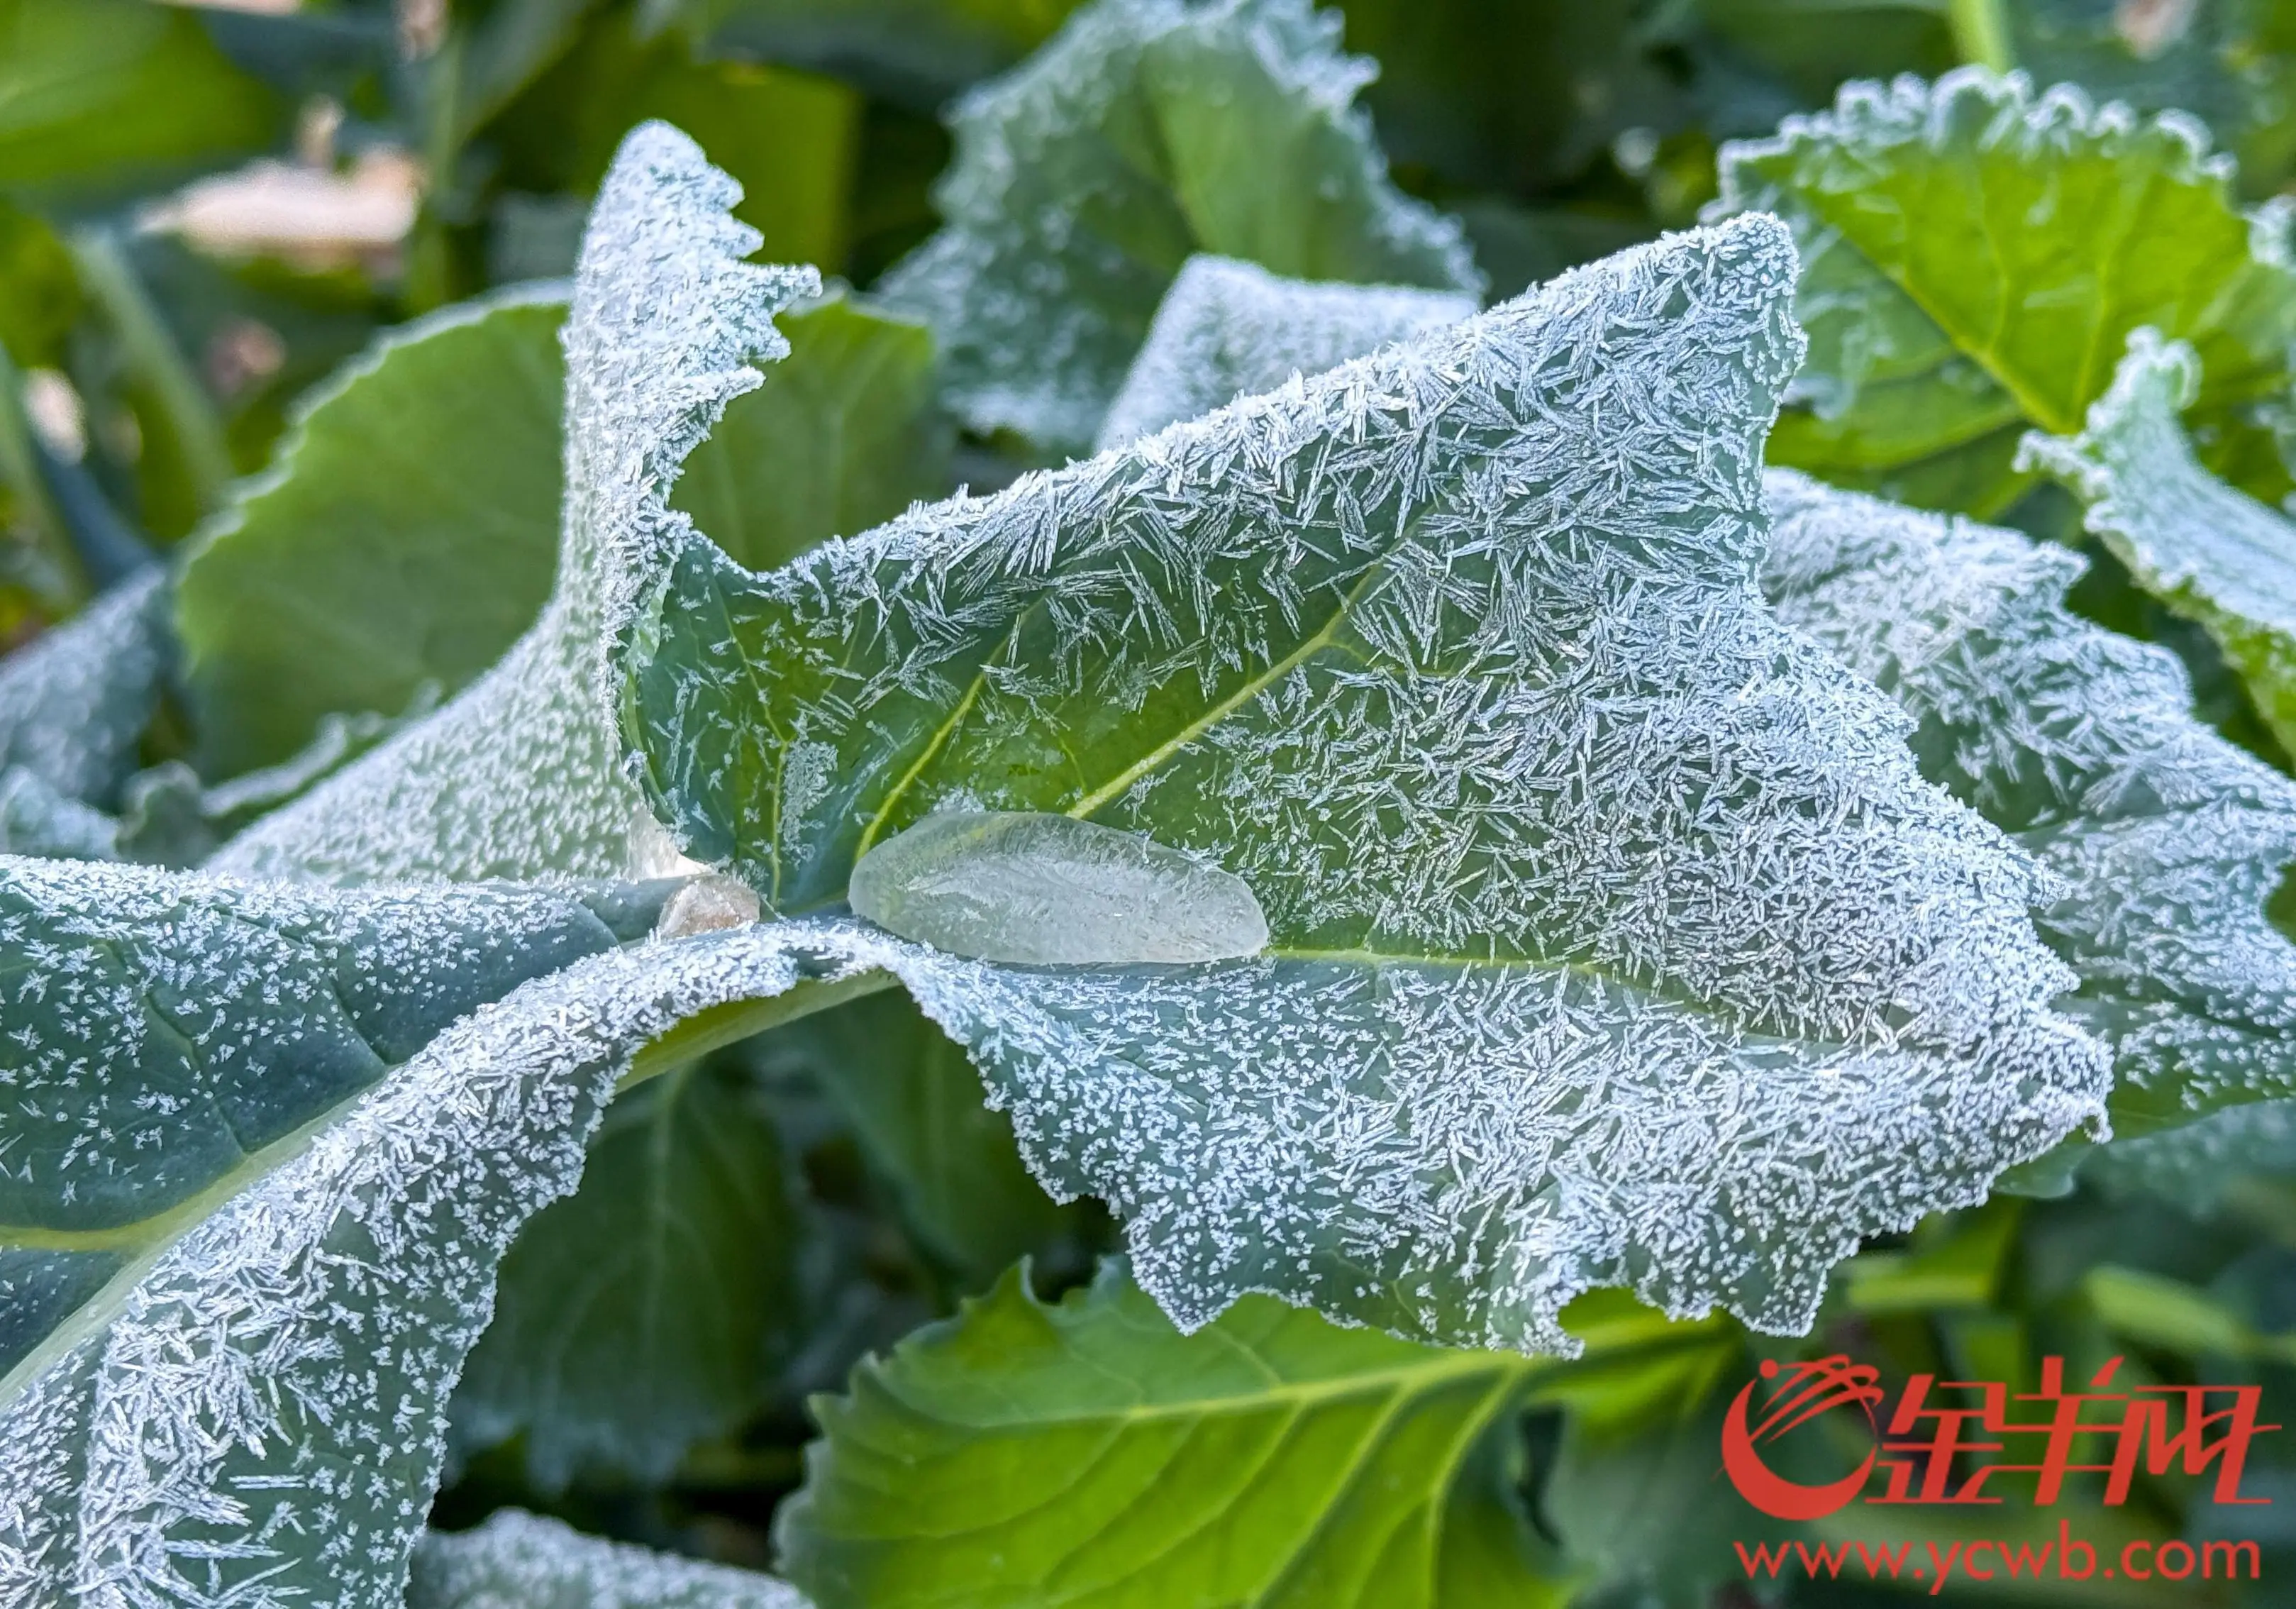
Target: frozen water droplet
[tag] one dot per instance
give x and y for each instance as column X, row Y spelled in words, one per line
column 1042, row 891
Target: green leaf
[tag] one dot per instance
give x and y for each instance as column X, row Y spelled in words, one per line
column 520, row 1559
column 913, row 1102
column 517, row 775
column 1087, row 1451
column 1147, row 131
column 2203, row 1167
column 2214, row 555
column 405, row 534
column 119, row 94
column 1973, row 258
column 2081, row 745
column 1227, row 329
column 1453, row 656
column 75, row 701
column 646, row 1311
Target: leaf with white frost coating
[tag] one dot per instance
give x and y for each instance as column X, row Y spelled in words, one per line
column 1974, row 256
column 74, row 702
column 519, row 775
column 1145, row 132
column 2199, row 1166
column 522, row 1561
column 2211, row 553
column 1227, row 329
column 1615, row 939
column 2081, row 744
column 265, row 1145
column 1038, row 889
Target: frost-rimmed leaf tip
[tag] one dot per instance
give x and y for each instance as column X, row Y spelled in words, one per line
column 519, row 774
column 1614, row 938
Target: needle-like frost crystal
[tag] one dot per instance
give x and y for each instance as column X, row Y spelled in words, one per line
column 522, row 1561
column 1050, row 891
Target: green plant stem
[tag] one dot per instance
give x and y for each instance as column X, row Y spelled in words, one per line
column 1981, row 33
column 154, row 358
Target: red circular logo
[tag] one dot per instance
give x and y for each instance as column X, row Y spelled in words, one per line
column 1802, row 1392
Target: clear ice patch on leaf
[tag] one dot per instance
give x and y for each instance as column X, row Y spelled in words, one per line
column 1147, row 131
column 1227, row 329
column 1039, row 889
column 1614, row 938
column 519, row 774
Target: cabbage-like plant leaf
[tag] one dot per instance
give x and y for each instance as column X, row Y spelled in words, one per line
column 1087, row 1451
column 1227, row 329
column 74, row 702
column 1145, row 132
column 406, row 532
column 265, row 1146
column 519, row 775
column 522, row 1561
column 2081, row 744
column 2202, row 1165
column 649, row 1309
column 1974, row 256
column 2213, row 554
column 1614, row 938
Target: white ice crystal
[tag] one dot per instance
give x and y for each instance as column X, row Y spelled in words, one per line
column 2082, row 744
column 1048, row 890
column 73, row 704
column 1227, row 329
column 519, row 1561
column 1615, row 937
column 519, row 775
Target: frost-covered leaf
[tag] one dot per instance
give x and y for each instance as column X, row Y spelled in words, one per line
column 522, row 1560
column 2080, row 745
column 74, row 702
column 2213, row 554
column 1615, row 939
column 647, row 1310
column 111, row 94
column 2197, row 1166
column 404, row 533
column 1974, row 256
column 1227, row 329
column 1147, row 131
column 1085, row 1452
column 266, row 1145
column 1040, row 890
column 519, row 775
